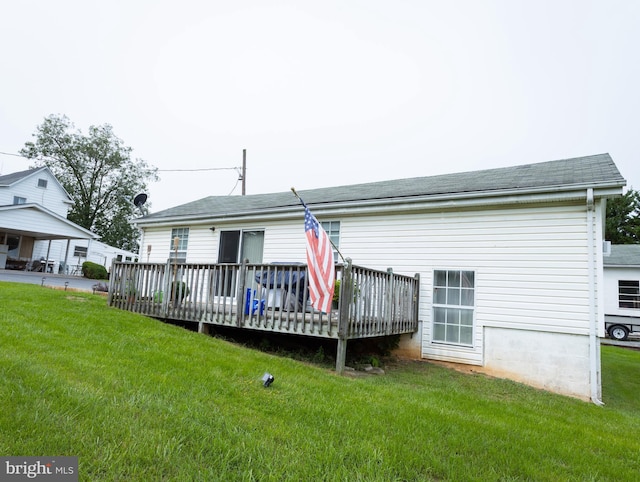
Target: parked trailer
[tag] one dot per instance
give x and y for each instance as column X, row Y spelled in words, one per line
column 619, row 327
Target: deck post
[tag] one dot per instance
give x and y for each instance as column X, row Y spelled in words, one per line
column 388, row 315
column 240, row 298
column 416, row 300
column 115, row 275
column 344, row 308
column 166, row 296
column 341, row 355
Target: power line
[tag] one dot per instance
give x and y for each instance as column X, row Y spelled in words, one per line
column 203, row 169
column 159, row 170
column 240, row 170
column 234, row 187
column 11, row 154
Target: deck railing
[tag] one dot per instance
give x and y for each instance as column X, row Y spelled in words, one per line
column 271, row 297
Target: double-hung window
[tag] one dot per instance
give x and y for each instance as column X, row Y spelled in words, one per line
column 453, row 306
column 332, row 228
column 178, row 244
column 629, row 294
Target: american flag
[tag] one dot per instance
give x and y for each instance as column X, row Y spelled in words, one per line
column 322, row 272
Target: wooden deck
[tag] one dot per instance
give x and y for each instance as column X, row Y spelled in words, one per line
column 268, row 297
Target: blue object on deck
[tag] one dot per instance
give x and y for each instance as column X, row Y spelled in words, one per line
column 254, row 302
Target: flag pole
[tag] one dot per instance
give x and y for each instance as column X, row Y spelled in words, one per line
column 293, row 190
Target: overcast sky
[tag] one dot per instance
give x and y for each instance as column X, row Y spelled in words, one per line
column 326, row 93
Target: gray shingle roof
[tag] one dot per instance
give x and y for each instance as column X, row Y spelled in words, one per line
column 9, row 179
column 597, row 170
column 623, row 255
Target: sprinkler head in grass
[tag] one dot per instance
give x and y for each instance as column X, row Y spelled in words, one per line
column 267, row 379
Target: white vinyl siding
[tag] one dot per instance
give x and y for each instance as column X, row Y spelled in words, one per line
column 283, row 241
column 157, row 239
column 79, row 251
column 31, row 219
column 53, row 197
column 612, row 276
column 200, row 246
column 530, row 262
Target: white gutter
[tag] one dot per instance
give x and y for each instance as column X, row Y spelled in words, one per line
column 594, row 342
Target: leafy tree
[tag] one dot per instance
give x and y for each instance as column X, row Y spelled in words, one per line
column 98, row 173
column 622, row 225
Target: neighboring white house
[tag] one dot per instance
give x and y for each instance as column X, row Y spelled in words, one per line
column 77, row 251
column 622, row 284
column 510, row 259
column 34, row 226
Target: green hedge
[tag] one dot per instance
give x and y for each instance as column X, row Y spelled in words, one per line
column 180, row 289
column 94, row 271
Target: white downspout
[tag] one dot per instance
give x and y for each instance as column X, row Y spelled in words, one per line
column 594, row 341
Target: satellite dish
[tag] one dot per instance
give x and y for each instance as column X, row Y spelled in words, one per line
column 140, row 199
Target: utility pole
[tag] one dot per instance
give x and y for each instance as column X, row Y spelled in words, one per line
column 244, row 172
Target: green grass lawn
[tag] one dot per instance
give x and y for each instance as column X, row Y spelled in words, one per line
column 136, row 399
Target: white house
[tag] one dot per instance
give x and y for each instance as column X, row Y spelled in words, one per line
column 622, row 288
column 510, row 260
column 34, row 226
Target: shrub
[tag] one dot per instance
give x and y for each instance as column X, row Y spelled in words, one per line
column 94, row 271
column 180, row 290
column 336, row 291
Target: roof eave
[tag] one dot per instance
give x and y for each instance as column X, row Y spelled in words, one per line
column 39, row 207
column 407, row 204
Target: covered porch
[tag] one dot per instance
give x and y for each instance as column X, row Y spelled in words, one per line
column 269, row 297
column 22, row 225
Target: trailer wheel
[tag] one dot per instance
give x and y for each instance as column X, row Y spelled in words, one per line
column 619, row 332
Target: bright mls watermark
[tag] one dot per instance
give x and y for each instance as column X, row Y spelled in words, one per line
column 53, row 469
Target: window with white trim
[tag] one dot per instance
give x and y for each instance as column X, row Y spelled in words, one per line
column 42, row 183
column 19, row 200
column 453, row 306
column 80, row 251
column 332, row 228
column 629, row 294
column 179, row 254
